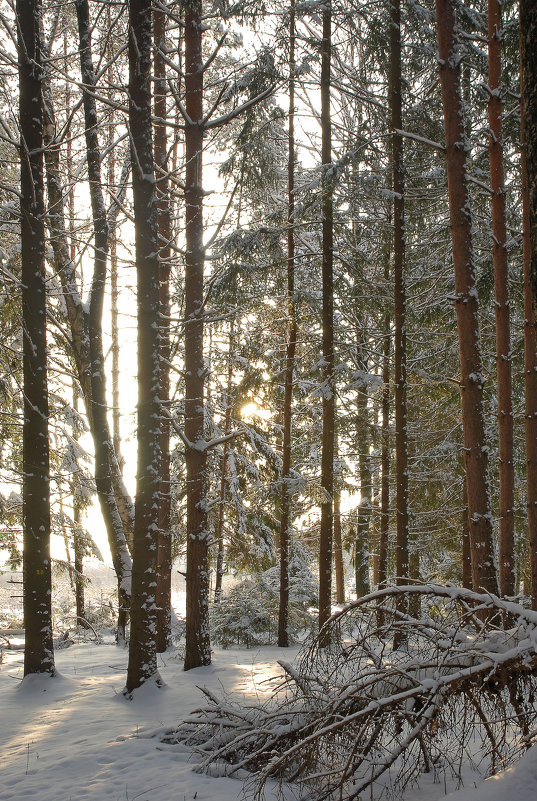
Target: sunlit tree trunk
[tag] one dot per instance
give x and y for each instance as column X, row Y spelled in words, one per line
column 506, row 555
column 164, row 561
column 220, row 539
column 285, row 513
column 363, row 444
column 198, row 650
column 329, row 398
column 142, row 665
column 38, row 649
column 475, row 446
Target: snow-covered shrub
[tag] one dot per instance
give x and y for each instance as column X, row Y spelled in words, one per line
column 248, row 614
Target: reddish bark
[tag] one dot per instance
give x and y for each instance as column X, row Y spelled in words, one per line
column 475, row 445
column 198, row 650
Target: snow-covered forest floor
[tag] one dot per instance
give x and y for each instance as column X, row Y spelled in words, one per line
column 77, row 737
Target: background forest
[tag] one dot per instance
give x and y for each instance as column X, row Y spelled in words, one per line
column 305, row 221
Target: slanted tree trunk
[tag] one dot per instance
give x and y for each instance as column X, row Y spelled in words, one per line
column 528, row 72
column 329, row 397
column 38, row 649
column 285, row 513
column 400, row 380
column 475, row 446
column 142, row 665
column 198, row 650
column 104, row 452
column 164, row 559
column 506, row 555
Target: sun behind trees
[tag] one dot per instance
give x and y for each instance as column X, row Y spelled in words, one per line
column 302, row 221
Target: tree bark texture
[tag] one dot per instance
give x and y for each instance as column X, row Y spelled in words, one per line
column 475, row 446
column 528, row 72
column 329, row 397
column 164, row 560
column 142, row 665
column 506, row 550
column 38, row 650
column 198, row 650
column 285, row 511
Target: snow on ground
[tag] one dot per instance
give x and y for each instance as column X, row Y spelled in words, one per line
column 76, row 737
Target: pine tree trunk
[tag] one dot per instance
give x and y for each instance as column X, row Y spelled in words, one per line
column 198, row 650
column 475, row 446
column 285, row 513
column 528, row 72
column 164, row 557
column 38, row 649
column 142, row 665
column 400, row 380
column 506, row 548
column 329, row 397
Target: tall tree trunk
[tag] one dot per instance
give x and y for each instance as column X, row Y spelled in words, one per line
column 104, row 452
column 285, row 513
column 400, row 380
column 142, row 665
column 164, row 558
column 38, row 649
column 475, row 446
column 198, row 650
column 506, row 549
column 329, row 397
column 528, row 72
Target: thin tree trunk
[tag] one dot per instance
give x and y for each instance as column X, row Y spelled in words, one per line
column 223, row 471
column 400, row 380
column 329, row 397
column 506, row 549
column 528, row 72
column 142, row 665
column 339, row 571
column 285, row 514
column 475, row 446
column 363, row 443
column 164, row 558
column 38, row 649
column 385, row 447
column 198, row 650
